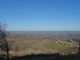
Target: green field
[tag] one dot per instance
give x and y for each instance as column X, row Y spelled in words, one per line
column 52, row 45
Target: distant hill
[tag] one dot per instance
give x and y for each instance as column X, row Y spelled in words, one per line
column 44, row 32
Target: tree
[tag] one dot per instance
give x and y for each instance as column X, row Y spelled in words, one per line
column 3, row 41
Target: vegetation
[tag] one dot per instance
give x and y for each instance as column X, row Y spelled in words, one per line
column 53, row 45
column 25, row 45
column 3, row 42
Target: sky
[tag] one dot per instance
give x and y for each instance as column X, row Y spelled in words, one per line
column 41, row 15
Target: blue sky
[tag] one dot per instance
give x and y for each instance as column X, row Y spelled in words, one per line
column 41, row 15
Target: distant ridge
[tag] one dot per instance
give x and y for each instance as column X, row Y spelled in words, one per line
column 44, row 32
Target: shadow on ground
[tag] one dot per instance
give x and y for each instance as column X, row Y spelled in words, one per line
column 46, row 57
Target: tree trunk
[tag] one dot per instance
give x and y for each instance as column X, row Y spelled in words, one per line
column 7, row 52
column 7, row 55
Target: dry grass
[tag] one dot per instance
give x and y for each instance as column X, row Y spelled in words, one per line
column 26, row 44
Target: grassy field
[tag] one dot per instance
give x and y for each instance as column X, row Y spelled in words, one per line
column 46, row 44
column 53, row 45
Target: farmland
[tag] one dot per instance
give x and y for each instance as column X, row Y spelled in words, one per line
column 26, row 44
column 42, row 43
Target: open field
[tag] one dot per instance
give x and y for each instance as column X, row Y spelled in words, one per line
column 26, row 44
column 29, row 44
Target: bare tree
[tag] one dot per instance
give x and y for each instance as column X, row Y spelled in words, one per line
column 3, row 42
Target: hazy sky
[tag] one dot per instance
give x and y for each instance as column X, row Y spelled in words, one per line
column 41, row 15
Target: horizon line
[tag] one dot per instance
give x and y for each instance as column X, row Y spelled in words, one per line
column 45, row 30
